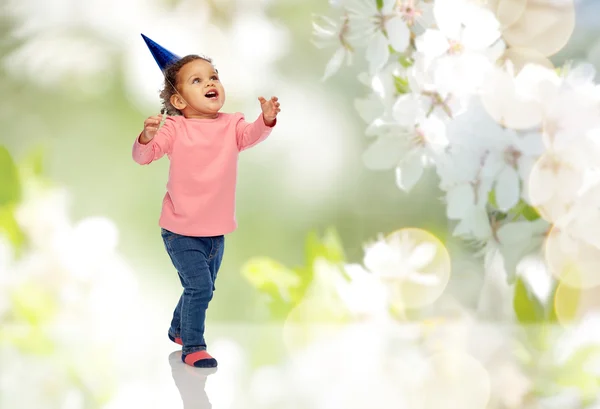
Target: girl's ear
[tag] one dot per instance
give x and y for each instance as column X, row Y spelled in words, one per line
column 177, row 101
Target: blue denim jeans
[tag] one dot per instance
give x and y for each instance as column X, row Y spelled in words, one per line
column 197, row 260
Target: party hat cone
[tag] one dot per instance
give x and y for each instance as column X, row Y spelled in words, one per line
column 162, row 56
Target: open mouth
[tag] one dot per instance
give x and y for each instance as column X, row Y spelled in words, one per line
column 212, row 94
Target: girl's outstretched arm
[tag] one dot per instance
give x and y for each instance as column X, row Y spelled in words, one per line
column 154, row 141
column 250, row 134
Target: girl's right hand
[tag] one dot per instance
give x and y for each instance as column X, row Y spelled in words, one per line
column 151, row 126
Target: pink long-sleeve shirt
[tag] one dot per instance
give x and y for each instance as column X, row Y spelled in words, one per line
column 203, row 154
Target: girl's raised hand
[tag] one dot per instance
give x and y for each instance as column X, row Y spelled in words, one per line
column 151, row 125
column 270, row 109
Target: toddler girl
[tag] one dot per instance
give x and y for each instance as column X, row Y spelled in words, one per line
column 202, row 145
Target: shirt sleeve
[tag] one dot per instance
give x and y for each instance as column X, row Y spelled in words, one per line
column 249, row 134
column 160, row 145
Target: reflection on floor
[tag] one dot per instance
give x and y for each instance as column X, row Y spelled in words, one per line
column 191, row 382
column 458, row 365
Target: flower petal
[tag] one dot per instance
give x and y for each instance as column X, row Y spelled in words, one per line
column 409, row 171
column 460, row 200
column 581, row 75
column 406, row 110
column 434, row 130
column 541, row 185
column 379, row 258
column 475, row 225
column 422, row 255
column 364, row 294
column 508, row 189
column 432, row 43
column 429, row 280
column 398, row 34
column 448, row 17
column 334, row 63
column 377, row 52
column 531, row 144
column 388, row 6
column 481, row 30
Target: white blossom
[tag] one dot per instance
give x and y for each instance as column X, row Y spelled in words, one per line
column 362, row 292
column 86, row 293
column 398, row 257
column 328, row 32
column 464, row 47
column 380, row 29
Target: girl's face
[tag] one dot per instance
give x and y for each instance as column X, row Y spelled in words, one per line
column 202, row 92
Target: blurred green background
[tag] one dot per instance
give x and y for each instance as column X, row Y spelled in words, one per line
column 86, row 140
column 77, row 82
column 85, row 126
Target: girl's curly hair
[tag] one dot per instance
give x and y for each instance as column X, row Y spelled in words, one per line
column 170, row 74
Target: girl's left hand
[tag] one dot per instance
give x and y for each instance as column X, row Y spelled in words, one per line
column 270, row 109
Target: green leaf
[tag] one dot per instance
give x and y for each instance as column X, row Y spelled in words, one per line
column 27, row 339
column 321, row 302
column 525, row 210
column 402, row 86
column 330, row 247
column 530, row 213
column 33, row 163
column 313, row 248
column 32, row 304
column 520, row 209
column 379, row 4
column 10, row 187
column 285, row 287
column 272, row 277
column 552, row 315
column 492, row 198
column 497, row 216
column 282, row 287
column 564, row 303
column 527, row 307
column 10, row 227
column 405, row 61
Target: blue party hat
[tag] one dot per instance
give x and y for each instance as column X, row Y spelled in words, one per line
column 162, row 56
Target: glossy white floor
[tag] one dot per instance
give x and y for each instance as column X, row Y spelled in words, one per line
column 458, row 365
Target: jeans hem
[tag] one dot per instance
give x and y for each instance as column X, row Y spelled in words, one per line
column 187, row 351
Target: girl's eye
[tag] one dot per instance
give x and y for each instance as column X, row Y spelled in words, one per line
column 195, row 80
column 214, row 77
